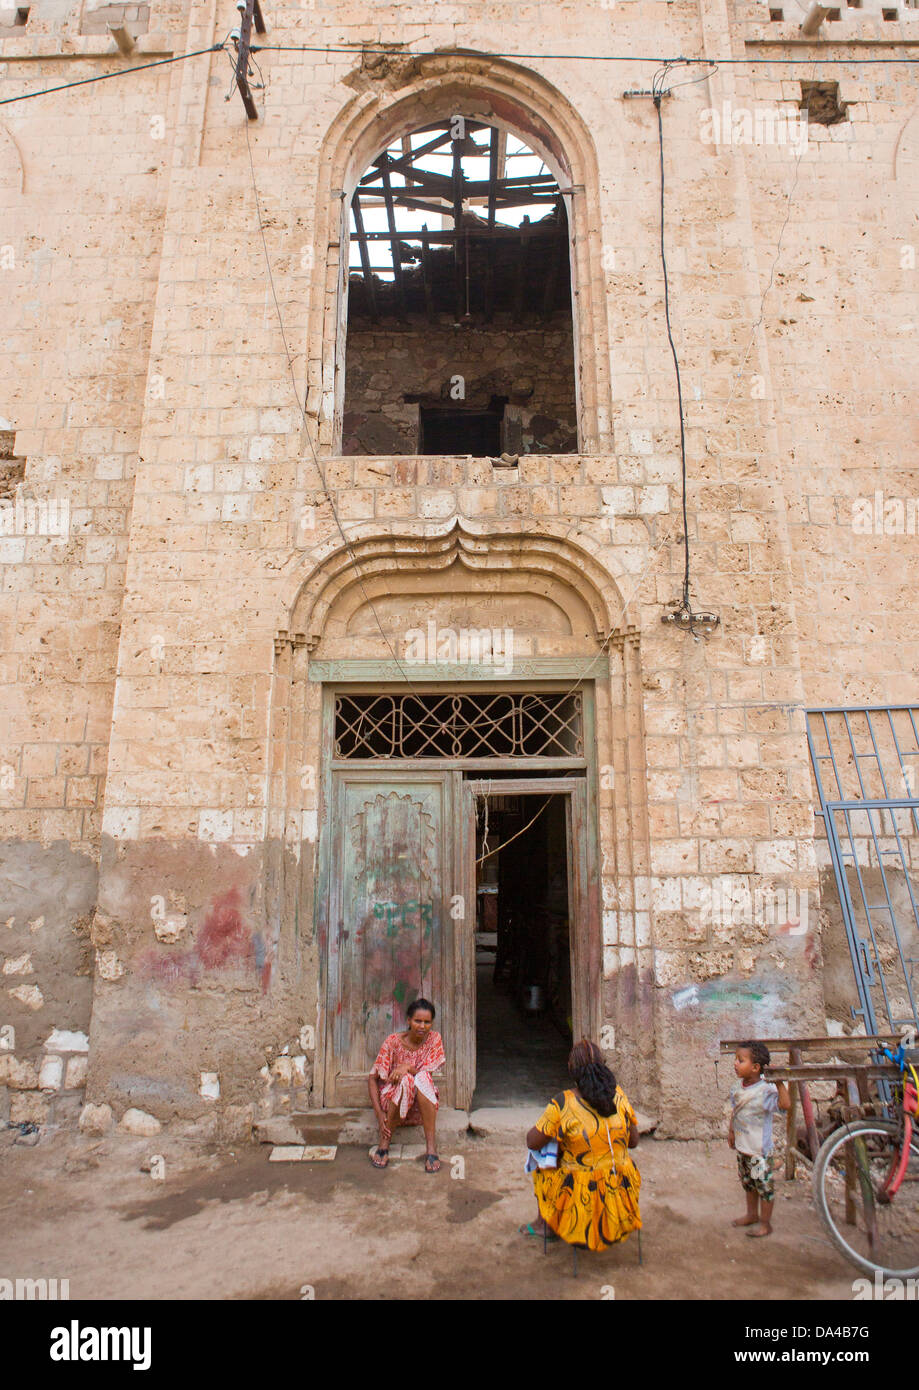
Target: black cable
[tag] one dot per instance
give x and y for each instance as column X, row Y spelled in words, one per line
column 657, row 98
column 104, row 76
column 356, row 50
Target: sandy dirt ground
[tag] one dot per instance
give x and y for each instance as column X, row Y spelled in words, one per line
column 228, row 1224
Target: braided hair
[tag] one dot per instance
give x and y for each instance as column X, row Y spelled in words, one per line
column 593, row 1078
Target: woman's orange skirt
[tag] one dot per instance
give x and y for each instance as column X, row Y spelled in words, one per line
column 595, row 1207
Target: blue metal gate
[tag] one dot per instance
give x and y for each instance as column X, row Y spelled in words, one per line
column 866, row 762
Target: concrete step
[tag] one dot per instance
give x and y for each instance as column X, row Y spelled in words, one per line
column 511, row 1122
column 507, row 1123
column 357, row 1126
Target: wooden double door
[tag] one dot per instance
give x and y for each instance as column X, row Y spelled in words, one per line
column 397, row 916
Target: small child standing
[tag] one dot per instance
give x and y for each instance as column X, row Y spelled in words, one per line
column 754, row 1101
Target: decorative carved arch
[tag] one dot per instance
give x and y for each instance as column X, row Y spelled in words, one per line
column 500, row 93
column 331, row 580
column 543, row 560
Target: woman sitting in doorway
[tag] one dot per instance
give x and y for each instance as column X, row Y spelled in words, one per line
column 407, row 1095
column 591, row 1198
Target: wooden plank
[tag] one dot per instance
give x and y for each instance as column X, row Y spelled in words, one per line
column 464, row 978
column 525, row 786
column 520, row 282
column 405, row 165
column 440, row 236
column 807, row 1106
column 365, row 257
column 394, row 243
column 416, row 205
column 483, row 765
column 548, row 300
column 440, row 185
column 826, row 1044
column 370, row 671
column 791, row 1134
column 493, row 162
column 458, row 244
column 815, row 1072
column 426, row 274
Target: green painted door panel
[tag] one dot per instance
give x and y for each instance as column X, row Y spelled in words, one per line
column 390, row 870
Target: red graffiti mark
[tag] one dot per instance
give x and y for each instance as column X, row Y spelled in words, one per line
column 223, row 937
column 170, row 968
column 810, row 954
column 223, row 942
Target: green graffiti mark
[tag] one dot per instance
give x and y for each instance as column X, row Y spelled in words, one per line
column 403, row 915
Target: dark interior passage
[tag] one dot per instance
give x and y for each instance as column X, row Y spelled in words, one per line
column 523, row 1011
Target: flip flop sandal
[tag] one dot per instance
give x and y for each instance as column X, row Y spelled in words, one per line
column 528, row 1231
column 380, row 1153
column 428, row 1159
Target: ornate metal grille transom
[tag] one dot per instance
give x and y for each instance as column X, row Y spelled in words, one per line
column 507, row 725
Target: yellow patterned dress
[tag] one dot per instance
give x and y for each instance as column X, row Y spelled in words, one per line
column 591, row 1198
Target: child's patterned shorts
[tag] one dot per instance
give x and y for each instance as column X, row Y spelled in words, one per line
column 756, row 1175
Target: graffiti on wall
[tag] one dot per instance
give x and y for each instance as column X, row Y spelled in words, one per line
column 223, row 942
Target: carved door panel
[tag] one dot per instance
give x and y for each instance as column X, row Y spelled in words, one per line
column 391, row 874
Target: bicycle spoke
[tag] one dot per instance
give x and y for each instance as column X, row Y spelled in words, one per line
column 872, row 1228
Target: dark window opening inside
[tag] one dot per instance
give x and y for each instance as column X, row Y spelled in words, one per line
column 459, row 290
column 460, row 432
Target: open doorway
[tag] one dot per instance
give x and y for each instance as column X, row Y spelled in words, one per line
column 523, row 948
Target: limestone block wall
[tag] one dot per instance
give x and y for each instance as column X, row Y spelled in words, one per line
column 83, row 182
column 147, row 369
column 220, row 836
column 841, row 329
column 841, row 321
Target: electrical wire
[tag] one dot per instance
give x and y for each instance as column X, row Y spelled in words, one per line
column 106, row 76
column 498, row 848
column 355, row 52
column 441, row 727
column 659, row 93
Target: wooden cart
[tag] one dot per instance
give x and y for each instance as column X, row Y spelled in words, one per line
column 808, row 1061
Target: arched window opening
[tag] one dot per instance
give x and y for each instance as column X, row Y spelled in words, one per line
column 459, row 335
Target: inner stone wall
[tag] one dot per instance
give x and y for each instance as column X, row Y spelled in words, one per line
column 531, row 368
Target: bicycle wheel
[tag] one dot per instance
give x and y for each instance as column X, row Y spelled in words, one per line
column 850, row 1174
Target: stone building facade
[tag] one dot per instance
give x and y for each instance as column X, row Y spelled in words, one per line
column 194, row 570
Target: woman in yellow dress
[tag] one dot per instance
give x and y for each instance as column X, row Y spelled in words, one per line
column 591, row 1198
